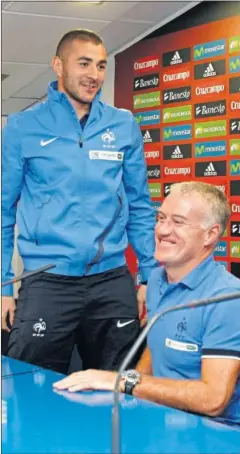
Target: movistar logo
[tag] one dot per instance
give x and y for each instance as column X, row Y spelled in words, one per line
column 198, row 52
column 139, row 118
column 212, row 48
column 200, row 150
column 167, row 133
column 235, row 167
column 234, row 64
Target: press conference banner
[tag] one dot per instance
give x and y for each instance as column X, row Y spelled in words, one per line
column 184, row 91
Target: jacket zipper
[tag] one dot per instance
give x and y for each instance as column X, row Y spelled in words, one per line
column 103, row 235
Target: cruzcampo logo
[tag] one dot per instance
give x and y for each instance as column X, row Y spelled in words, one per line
column 210, row 129
column 174, row 114
column 234, row 44
column 235, row 146
column 234, row 64
column 147, row 100
column 210, row 49
column 235, row 167
column 210, row 149
column 235, row 249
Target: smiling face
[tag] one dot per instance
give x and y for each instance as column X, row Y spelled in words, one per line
column 81, row 71
column 182, row 239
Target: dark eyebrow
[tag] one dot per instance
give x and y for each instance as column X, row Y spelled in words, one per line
column 90, row 60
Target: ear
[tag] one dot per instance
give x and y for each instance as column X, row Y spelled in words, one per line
column 212, row 235
column 57, row 66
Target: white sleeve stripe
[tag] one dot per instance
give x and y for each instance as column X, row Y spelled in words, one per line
column 221, row 356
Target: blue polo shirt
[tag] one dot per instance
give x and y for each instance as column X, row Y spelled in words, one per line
column 179, row 340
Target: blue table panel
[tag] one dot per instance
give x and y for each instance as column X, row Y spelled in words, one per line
column 38, row 420
column 12, row 366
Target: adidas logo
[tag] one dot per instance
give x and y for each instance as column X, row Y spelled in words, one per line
column 147, row 137
column 210, row 171
column 176, row 59
column 177, row 154
column 198, row 110
column 166, row 96
column 137, row 83
column 209, row 71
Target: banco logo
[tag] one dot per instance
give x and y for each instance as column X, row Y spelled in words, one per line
column 173, row 133
column 210, row 89
column 210, row 49
column 234, row 64
column 234, row 85
column 235, row 188
column 208, row 149
column 235, row 269
column 151, row 99
column 150, row 135
column 234, row 146
column 235, row 106
column 176, row 76
column 149, row 117
column 235, row 229
column 167, row 188
column 146, row 64
column 176, row 57
column 234, row 126
column 221, row 249
column 176, row 95
column 152, row 154
column 145, row 82
column 235, row 249
column 210, row 109
column 234, row 44
column 211, row 69
column 210, row 129
column 153, row 172
column 174, row 114
column 183, row 151
column 235, row 167
column 155, row 189
column 176, row 171
column 210, row 169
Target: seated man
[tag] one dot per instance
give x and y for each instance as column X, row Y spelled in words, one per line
column 192, row 361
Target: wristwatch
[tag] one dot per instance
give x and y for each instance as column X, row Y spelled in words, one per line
column 132, row 378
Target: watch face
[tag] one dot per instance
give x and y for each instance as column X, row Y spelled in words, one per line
column 132, row 376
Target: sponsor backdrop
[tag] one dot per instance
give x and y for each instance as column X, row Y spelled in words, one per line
column 184, row 91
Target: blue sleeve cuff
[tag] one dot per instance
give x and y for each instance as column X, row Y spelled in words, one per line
column 146, row 271
column 8, row 290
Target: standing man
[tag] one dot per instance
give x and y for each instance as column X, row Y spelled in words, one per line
column 75, row 177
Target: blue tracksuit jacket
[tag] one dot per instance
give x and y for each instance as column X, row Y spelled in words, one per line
column 78, row 196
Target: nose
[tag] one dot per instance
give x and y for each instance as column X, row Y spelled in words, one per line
column 93, row 72
column 163, row 228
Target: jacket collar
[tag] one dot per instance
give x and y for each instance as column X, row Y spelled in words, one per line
column 56, row 96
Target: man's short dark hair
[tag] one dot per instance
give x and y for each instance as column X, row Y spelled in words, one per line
column 81, row 34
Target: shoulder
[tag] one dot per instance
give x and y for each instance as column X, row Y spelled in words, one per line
column 116, row 112
column 223, row 281
column 18, row 119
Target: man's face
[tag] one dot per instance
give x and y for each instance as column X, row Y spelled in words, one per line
column 179, row 234
column 82, row 70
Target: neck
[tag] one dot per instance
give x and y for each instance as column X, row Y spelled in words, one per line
column 81, row 109
column 179, row 271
